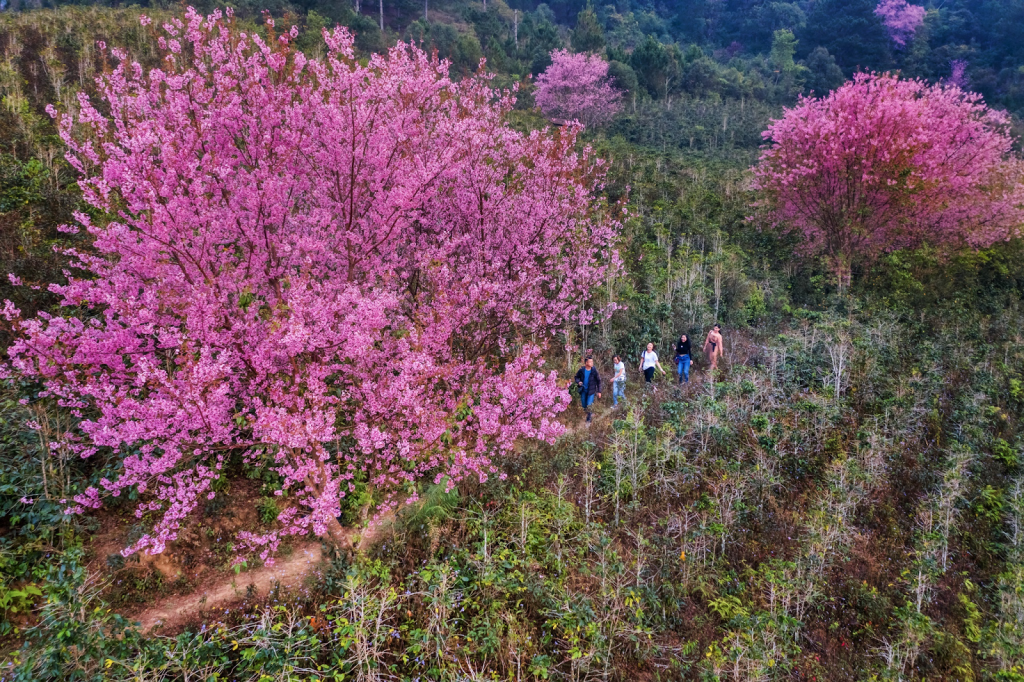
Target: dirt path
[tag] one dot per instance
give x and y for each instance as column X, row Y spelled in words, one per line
column 306, row 560
column 739, row 347
column 173, row 612
column 636, row 391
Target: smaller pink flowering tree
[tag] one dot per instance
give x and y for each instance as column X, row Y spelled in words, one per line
column 958, row 73
column 901, row 19
column 884, row 163
column 328, row 268
column 576, row 87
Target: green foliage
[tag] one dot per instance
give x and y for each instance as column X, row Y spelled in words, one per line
column 76, row 638
column 791, row 506
column 824, row 75
column 266, row 510
column 655, row 67
column 623, row 77
column 728, row 607
column 434, row 507
column 851, row 32
column 16, row 600
column 972, row 619
column 587, row 570
column 783, row 49
column 990, row 503
column 1005, row 453
column 588, row 36
column 355, row 502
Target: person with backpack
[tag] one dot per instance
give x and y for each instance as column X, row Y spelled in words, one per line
column 589, row 383
column 683, row 358
column 648, row 363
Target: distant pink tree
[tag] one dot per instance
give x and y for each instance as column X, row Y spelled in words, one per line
column 577, row 87
column 901, row 19
column 326, row 268
column 958, row 73
column 884, row 163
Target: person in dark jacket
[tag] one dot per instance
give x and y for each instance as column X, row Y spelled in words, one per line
column 683, row 358
column 589, row 383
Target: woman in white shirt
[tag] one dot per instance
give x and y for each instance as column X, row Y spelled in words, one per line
column 649, row 362
column 618, row 381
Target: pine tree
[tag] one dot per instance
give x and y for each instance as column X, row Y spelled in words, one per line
column 588, row 36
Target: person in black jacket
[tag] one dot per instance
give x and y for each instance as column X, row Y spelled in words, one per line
column 589, row 383
column 683, row 358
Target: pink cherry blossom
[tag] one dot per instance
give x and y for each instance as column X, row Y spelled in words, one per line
column 901, row 19
column 576, row 88
column 884, row 163
column 323, row 267
column 958, row 73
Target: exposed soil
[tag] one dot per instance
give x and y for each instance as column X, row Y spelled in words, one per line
column 191, row 581
column 197, row 585
column 171, row 613
column 224, row 589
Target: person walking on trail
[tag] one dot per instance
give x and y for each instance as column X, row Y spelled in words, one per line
column 713, row 345
column 648, row 363
column 683, row 358
column 589, row 383
column 618, row 381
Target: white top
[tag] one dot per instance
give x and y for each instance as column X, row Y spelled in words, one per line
column 620, row 372
column 650, row 359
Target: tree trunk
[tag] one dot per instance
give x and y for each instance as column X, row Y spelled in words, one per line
column 381, row 16
column 336, row 535
column 843, row 271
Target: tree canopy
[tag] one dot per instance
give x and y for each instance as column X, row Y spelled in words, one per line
column 884, row 163
column 336, row 270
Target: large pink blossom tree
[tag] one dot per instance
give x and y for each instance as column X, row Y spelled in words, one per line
column 884, row 163
column 325, row 267
column 901, row 19
column 576, row 87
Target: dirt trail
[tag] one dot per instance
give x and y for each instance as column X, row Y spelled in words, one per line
column 173, row 612
column 305, row 560
column 739, row 348
column 666, row 389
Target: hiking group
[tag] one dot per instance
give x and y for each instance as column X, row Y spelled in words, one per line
column 588, row 379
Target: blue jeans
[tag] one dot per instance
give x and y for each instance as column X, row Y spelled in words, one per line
column 618, row 391
column 683, row 368
column 586, row 400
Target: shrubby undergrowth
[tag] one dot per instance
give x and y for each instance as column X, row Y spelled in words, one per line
column 843, row 500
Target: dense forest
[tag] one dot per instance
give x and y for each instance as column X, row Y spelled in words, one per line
column 687, row 48
column 841, row 498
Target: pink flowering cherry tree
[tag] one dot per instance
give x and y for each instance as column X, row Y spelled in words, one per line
column 901, row 19
column 885, row 163
column 322, row 267
column 958, row 73
column 576, row 87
